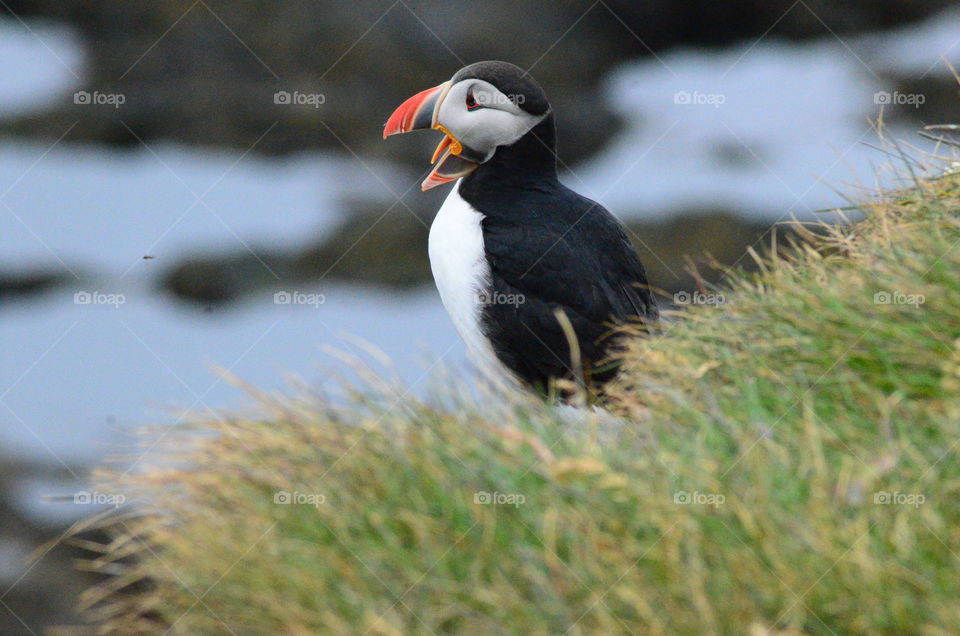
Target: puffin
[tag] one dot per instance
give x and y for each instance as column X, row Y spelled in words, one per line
column 538, row 280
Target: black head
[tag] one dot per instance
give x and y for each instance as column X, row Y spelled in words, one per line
column 511, row 80
column 486, row 109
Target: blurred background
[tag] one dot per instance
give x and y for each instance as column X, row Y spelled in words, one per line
column 186, row 184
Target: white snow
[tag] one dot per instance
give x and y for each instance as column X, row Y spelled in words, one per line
column 766, row 128
column 41, row 63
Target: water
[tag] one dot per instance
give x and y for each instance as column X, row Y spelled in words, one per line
column 76, row 375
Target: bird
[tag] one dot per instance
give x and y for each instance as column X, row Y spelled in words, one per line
column 536, row 278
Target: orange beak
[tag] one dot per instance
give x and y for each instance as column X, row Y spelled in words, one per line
column 420, row 112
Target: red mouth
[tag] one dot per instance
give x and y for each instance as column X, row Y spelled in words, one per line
column 420, row 112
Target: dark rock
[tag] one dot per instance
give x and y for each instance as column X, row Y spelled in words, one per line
column 217, row 279
column 699, row 239
column 922, row 101
column 15, row 285
column 380, row 244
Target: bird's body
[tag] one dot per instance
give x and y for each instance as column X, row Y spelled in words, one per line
column 512, row 247
column 462, row 274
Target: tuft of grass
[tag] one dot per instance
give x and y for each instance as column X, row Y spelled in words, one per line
column 786, row 463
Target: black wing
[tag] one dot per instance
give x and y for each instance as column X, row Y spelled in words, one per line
column 574, row 257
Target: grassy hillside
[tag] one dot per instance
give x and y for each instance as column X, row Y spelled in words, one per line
column 790, row 467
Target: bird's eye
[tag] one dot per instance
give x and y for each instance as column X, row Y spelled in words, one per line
column 471, row 101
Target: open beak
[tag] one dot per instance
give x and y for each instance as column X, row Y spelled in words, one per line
column 420, row 112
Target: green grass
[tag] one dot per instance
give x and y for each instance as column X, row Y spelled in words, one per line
column 784, row 414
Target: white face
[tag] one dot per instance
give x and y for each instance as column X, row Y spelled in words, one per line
column 482, row 118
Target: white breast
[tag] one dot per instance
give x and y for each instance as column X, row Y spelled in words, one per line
column 462, row 275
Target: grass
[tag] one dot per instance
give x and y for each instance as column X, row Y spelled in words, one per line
column 787, row 465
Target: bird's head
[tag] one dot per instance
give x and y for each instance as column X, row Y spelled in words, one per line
column 482, row 107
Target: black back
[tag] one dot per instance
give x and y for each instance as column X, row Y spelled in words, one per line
column 556, row 250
